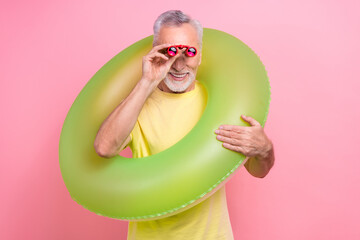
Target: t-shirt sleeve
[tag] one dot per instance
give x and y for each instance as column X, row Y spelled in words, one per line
column 133, row 135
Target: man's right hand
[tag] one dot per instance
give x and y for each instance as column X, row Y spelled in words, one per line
column 156, row 64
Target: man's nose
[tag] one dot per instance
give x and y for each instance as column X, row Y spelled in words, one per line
column 179, row 64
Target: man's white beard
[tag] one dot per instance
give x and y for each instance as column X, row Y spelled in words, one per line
column 179, row 86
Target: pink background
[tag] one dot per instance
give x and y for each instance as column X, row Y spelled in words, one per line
column 50, row 49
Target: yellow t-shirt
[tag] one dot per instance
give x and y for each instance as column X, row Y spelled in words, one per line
column 164, row 119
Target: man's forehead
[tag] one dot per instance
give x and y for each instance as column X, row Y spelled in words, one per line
column 184, row 34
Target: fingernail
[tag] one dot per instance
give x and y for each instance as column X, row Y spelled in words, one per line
column 217, row 131
column 221, row 127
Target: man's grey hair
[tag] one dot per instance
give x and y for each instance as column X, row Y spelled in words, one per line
column 176, row 18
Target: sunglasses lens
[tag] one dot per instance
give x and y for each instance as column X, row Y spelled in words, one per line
column 172, row 51
column 191, row 52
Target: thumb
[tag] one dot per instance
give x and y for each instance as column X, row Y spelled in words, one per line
column 250, row 120
column 172, row 60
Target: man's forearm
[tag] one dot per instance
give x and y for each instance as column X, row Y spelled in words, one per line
column 260, row 166
column 118, row 125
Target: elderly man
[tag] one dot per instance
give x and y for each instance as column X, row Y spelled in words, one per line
column 162, row 108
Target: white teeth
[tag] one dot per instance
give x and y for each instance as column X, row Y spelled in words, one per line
column 179, row 76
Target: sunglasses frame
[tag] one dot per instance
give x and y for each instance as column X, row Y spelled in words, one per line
column 180, row 47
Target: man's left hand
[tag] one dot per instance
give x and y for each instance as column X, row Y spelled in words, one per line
column 250, row 141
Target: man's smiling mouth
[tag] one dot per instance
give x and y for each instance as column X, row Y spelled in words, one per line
column 178, row 76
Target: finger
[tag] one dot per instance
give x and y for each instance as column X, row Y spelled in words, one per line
column 238, row 149
column 250, row 120
column 155, row 57
column 157, row 54
column 230, row 134
column 232, row 141
column 179, row 53
column 172, row 59
column 235, row 128
column 161, row 47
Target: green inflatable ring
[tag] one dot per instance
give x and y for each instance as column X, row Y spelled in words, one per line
column 169, row 182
